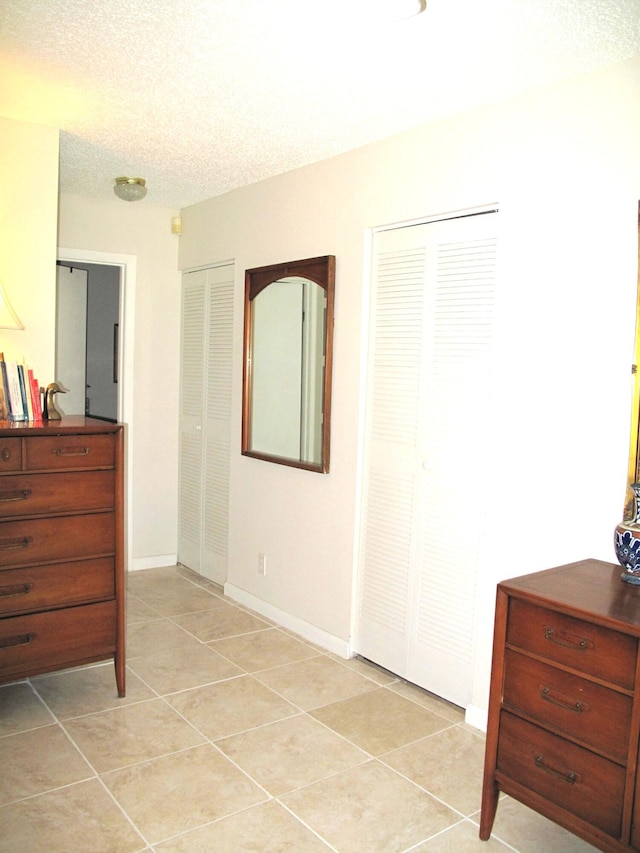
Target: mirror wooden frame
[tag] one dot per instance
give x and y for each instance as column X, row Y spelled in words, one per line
column 321, row 271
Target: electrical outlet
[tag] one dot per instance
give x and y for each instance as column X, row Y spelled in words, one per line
column 262, row 564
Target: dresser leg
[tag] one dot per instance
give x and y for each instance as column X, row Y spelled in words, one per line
column 120, row 675
column 489, row 805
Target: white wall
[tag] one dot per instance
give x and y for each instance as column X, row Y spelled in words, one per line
column 564, row 166
column 143, row 230
column 28, row 211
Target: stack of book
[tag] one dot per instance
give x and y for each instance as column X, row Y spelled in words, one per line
column 20, row 398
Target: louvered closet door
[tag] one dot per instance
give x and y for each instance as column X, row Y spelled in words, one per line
column 431, row 330
column 194, row 286
column 217, row 423
column 205, row 416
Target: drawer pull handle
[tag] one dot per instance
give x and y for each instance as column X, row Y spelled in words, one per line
column 571, row 777
column 12, row 544
column 6, row 454
column 19, row 640
column 17, row 495
column 568, row 642
column 71, row 451
column 15, row 589
column 577, row 707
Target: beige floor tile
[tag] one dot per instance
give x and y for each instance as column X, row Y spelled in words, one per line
column 267, row 828
column 369, row 809
column 183, row 667
column 179, row 792
column 38, row 760
column 529, row 832
column 159, row 586
column 448, row 764
column 184, row 598
column 160, row 578
column 315, row 682
column 127, row 735
column 263, row 649
column 137, row 611
column 21, row 709
column 70, row 820
column 462, row 838
column 369, row 670
column 226, row 620
column 220, row 710
column 153, row 582
column 147, row 638
column 190, row 575
column 380, row 720
column 291, row 753
column 87, row 690
column 429, row 700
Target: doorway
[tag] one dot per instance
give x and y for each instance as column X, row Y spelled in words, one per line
column 87, row 338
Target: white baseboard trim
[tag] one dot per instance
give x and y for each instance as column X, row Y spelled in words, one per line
column 476, row 717
column 158, row 561
column 303, row 629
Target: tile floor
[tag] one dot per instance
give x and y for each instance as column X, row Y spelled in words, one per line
column 237, row 736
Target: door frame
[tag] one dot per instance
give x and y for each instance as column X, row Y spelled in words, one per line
column 128, row 273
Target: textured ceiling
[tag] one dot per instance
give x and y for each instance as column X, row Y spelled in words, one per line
column 203, row 96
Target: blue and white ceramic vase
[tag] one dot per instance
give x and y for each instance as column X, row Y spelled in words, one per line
column 626, row 541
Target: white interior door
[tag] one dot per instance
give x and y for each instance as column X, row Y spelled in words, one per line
column 431, row 332
column 71, row 338
column 194, row 286
column 205, row 417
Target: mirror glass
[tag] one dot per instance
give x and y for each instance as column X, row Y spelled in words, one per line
column 287, row 363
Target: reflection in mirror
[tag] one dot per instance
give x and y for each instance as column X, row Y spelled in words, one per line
column 287, row 363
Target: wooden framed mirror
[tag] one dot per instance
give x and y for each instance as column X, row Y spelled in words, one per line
column 287, row 361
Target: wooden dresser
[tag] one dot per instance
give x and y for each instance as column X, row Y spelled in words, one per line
column 61, row 546
column 564, row 708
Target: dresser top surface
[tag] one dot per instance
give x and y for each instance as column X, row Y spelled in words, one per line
column 69, row 424
column 591, row 588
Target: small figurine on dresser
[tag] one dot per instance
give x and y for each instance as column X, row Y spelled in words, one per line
column 49, row 411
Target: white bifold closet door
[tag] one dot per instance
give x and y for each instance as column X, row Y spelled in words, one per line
column 426, row 449
column 205, row 418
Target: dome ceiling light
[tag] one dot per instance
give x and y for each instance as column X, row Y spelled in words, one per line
column 130, row 189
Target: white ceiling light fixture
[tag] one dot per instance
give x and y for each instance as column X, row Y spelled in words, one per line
column 130, row 189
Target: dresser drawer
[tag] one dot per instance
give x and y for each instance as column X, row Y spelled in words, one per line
column 57, row 585
column 10, row 454
column 581, row 645
column 595, row 715
column 571, row 777
column 36, row 494
column 44, row 641
column 54, row 452
column 42, row 540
